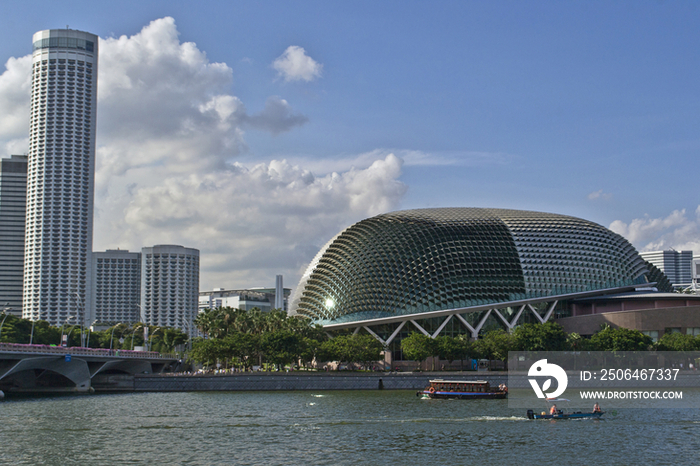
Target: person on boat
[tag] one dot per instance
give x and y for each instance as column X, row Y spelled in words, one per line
column 553, row 410
column 596, row 408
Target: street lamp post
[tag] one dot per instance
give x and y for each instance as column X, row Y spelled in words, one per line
column 112, row 337
column 134, row 333
column 189, row 333
column 71, row 331
column 62, row 327
column 81, row 306
column 150, row 338
column 4, row 311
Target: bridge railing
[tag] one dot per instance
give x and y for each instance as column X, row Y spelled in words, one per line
column 77, row 350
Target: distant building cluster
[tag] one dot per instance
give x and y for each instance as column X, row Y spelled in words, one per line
column 264, row 299
column 48, row 270
column 157, row 285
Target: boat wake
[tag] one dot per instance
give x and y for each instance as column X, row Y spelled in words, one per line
column 497, row 418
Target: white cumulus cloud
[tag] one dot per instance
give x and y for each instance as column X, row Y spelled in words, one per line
column 169, row 130
column 253, row 222
column 295, row 65
column 677, row 230
column 15, row 83
column 599, row 195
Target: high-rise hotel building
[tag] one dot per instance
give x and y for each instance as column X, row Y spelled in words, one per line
column 60, row 176
column 169, row 286
column 116, row 287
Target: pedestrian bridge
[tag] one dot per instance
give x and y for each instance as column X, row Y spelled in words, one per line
column 52, row 369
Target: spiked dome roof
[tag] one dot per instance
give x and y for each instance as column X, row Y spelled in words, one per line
column 424, row 260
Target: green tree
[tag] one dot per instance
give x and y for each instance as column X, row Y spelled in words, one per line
column 451, row 348
column 364, row 349
column 577, row 343
column 205, row 321
column 310, row 350
column 418, row 347
column 328, row 351
column 245, row 347
column 677, row 342
column 281, row 347
column 45, row 334
column 209, row 351
column 360, row 349
column 549, row 336
column 620, row 339
column 495, row 344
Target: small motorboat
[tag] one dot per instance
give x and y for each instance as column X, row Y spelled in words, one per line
column 559, row 414
column 463, row 390
column 562, row 415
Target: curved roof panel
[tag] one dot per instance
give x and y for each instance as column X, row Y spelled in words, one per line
column 424, row 260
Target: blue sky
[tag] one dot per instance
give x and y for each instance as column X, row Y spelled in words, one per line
column 587, row 109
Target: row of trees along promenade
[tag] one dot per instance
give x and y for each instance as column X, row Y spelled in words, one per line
column 550, row 336
column 243, row 339
column 118, row 337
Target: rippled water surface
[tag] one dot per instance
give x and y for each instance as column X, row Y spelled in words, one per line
column 328, row 428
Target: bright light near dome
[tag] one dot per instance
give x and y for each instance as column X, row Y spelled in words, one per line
column 329, row 303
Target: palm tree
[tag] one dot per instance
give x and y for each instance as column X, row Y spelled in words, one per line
column 204, row 321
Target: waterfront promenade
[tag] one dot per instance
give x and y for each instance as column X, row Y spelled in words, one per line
column 298, row 380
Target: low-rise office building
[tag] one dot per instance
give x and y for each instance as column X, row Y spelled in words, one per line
column 264, row 299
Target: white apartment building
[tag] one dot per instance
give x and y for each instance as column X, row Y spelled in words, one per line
column 169, row 286
column 60, row 176
column 116, row 294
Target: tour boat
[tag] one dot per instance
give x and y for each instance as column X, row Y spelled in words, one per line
column 463, row 390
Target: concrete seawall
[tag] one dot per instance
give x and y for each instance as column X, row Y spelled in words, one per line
column 298, row 381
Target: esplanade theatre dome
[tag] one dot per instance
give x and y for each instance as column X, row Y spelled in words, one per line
column 418, row 261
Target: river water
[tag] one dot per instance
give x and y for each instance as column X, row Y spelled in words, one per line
column 329, row 428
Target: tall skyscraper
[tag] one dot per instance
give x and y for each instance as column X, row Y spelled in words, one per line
column 169, row 286
column 13, row 199
column 60, row 176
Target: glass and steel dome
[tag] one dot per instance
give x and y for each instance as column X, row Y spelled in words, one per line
column 417, row 261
